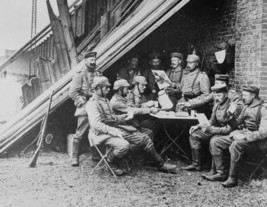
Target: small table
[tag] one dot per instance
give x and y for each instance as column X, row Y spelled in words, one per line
column 173, row 140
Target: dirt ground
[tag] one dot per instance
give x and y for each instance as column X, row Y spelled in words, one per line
column 55, row 183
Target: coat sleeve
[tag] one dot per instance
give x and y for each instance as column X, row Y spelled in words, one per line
column 95, row 119
column 213, row 115
column 124, row 108
column 201, row 100
column 204, row 84
column 76, row 86
column 261, row 134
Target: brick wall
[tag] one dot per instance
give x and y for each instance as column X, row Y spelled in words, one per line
column 251, row 45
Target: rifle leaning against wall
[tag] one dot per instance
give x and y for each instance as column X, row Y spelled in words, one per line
column 42, row 133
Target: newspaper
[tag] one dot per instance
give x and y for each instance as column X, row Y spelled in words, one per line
column 161, row 79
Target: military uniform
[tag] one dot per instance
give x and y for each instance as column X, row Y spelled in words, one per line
column 221, row 123
column 254, row 127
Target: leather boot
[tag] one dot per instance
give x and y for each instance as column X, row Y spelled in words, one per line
column 196, row 161
column 232, row 179
column 113, row 162
column 162, row 166
column 212, row 170
column 75, row 153
column 220, row 175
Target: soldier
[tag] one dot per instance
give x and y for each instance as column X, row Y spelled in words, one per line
column 80, row 91
column 112, row 130
column 203, row 100
column 154, row 64
column 194, row 83
column 220, row 123
column 250, row 138
column 131, row 70
column 175, row 74
column 121, row 105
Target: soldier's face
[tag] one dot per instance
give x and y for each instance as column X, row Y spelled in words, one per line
column 220, row 97
column 133, row 63
column 192, row 65
column 247, row 97
column 175, row 61
column 124, row 91
column 141, row 87
column 105, row 90
column 155, row 63
column 90, row 62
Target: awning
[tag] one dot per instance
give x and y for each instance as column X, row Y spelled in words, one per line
column 145, row 19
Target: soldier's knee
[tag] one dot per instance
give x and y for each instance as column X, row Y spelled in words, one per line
column 147, row 142
column 194, row 141
column 235, row 146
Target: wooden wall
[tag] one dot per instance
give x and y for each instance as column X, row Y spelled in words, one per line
column 91, row 20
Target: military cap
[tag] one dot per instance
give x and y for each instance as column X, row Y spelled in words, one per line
column 252, row 89
column 100, row 81
column 140, row 79
column 120, row 83
column 154, row 55
column 90, row 54
column 133, row 55
column 219, row 88
column 222, row 77
column 176, row 54
column 192, row 58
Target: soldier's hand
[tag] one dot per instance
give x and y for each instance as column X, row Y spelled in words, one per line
column 237, row 135
column 193, row 128
column 154, row 110
column 116, row 133
column 80, row 101
column 129, row 116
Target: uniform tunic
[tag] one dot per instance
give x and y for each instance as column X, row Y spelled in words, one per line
column 253, row 119
column 129, row 75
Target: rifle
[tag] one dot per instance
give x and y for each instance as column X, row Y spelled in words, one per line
column 42, row 133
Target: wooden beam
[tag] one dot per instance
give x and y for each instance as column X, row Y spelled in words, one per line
column 67, row 31
column 59, row 40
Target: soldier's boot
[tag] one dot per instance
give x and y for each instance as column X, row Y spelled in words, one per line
column 75, row 153
column 232, row 179
column 196, row 161
column 212, row 170
column 162, row 166
column 221, row 174
column 113, row 162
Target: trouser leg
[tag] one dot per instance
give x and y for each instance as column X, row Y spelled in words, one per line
column 196, row 140
column 82, row 126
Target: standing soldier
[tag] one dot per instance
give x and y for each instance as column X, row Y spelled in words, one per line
column 220, row 123
column 175, row 74
column 154, row 64
column 194, row 84
column 252, row 138
column 112, row 130
column 131, row 70
column 80, row 91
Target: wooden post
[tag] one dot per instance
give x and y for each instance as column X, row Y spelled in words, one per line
column 59, row 41
column 67, row 31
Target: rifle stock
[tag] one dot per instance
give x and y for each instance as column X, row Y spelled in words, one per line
column 42, row 134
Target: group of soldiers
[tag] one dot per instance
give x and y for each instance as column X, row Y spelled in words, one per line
column 123, row 123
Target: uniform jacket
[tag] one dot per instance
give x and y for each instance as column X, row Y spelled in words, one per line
column 122, row 105
column 220, row 120
column 175, row 75
column 202, row 100
column 99, row 130
column 81, row 87
column 129, row 76
column 248, row 119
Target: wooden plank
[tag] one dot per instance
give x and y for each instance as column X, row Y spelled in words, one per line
column 67, row 31
column 59, row 40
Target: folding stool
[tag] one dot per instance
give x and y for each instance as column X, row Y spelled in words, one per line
column 258, row 166
column 103, row 157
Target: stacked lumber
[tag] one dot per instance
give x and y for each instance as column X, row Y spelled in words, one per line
column 148, row 16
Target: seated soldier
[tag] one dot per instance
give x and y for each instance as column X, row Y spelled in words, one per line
column 112, row 130
column 138, row 99
column 121, row 105
column 219, row 124
column 251, row 137
column 203, row 100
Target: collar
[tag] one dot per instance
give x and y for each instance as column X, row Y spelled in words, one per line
column 100, row 98
column 256, row 102
column 197, row 70
column 119, row 97
column 177, row 69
